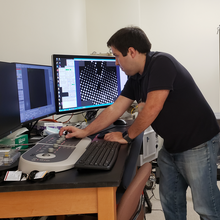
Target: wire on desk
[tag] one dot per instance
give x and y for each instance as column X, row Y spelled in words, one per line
column 71, row 115
column 14, row 145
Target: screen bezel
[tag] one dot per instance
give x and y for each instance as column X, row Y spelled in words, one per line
column 85, row 109
column 45, row 115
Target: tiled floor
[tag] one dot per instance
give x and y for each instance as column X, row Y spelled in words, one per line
column 157, row 213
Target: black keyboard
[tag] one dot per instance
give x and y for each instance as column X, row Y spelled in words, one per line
column 100, row 155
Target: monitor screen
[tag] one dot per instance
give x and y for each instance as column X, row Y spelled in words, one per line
column 9, row 110
column 35, row 91
column 86, row 82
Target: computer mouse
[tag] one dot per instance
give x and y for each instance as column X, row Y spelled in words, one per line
column 120, row 121
column 101, row 135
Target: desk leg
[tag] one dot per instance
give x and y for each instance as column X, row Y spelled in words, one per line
column 106, row 203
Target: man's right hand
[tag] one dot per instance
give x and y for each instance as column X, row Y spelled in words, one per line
column 73, row 132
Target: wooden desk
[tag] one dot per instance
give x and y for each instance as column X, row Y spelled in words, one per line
column 69, row 192
column 60, row 202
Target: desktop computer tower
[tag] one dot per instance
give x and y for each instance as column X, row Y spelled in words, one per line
column 150, row 146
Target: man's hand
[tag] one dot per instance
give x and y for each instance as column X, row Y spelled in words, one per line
column 116, row 137
column 73, row 132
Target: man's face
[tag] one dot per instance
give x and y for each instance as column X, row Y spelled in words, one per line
column 125, row 62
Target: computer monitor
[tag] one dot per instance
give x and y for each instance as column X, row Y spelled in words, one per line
column 9, row 109
column 86, row 82
column 35, row 86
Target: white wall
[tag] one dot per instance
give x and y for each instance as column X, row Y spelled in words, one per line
column 106, row 17
column 31, row 31
column 186, row 29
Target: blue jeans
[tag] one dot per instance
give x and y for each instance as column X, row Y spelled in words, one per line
column 197, row 169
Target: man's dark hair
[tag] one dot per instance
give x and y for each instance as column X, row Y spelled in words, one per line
column 130, row 37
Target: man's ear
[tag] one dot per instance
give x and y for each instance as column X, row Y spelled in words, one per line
column 132, row 52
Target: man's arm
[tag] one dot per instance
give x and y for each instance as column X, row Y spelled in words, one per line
column 106, row 118
column 153, row 106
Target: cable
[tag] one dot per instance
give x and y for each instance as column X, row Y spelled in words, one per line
column 153, row 196
column 133, row 109
column 68, row 114
column 48, row 119
column 14, row 145
column 68, row 119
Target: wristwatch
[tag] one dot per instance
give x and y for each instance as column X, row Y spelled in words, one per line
column 126, row 137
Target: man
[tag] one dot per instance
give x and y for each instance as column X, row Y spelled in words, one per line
column 174, row 106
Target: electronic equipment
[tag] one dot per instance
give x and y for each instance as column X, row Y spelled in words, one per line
column 9, row 110
column 86, row 82
column 53, row 153
column 100, row 155
column 35, row 88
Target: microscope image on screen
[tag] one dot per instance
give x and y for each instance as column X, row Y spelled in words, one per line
column 36, row 91
column 98, row 83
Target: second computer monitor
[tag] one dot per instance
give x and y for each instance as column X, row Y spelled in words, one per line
column 35, row 91
column 86, row 82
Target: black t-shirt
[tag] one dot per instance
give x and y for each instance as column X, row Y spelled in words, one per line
column 186, row 119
